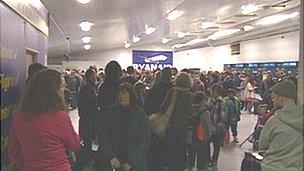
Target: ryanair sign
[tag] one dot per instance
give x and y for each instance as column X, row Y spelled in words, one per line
column 152, row 60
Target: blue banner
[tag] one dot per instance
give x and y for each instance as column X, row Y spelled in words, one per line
column 152, row 60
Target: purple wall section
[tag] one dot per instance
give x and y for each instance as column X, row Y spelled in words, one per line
column 15, row 36
column 31, row 37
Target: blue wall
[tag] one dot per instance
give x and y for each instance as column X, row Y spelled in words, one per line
column 16, row 35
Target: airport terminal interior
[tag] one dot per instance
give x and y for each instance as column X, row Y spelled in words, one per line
column 151, row 85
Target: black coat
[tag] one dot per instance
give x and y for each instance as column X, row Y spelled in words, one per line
column 156, row 96
column 87, row 110
column 107, row 94
column 137, row 141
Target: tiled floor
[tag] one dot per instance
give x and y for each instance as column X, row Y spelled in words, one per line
column 231, row 155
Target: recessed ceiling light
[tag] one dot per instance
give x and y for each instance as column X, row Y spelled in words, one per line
column 35, row 3
column 173, row 15
column 149, row 29
column 178, row 46
column 249, row 8
column 207, row 24
column 277, row 18
column 83, row 1
column 87, row 46
column 86, row 39
column 136, row 39
column 182, row 34
column 247, row 27
column 195, row 41
column 222, row 33
column 85, row 25
column 165, row 40
column 127, row 45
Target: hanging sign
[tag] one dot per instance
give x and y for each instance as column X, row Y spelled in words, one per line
column 152, row 60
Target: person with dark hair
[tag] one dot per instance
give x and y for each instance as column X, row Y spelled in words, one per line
column 232, row 109
column 33, row 69
column 219, row 122
column 200, row 131
column 264, row 89
column 42, row 131
column 107, row 95
column 157, row 93
column 73, row 82
column 130, row 77
column 175, row 137
column 124, row 136
column 140, row 90
column 87, row 110
column 107, row 91
column 153, row 101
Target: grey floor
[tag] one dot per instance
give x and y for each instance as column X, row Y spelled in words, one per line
column 231, row 154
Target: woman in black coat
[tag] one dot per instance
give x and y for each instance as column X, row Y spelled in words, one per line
column 124, row 137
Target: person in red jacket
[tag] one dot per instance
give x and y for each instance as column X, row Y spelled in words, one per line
column 42, row 131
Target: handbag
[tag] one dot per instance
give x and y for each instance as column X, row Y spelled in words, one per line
column 200, row 132
column 251, row 162
column 159, row 122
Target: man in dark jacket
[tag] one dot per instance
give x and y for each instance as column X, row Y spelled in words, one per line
column 130, row 77
column 157, row 93
column 153, row 101
column 87, row 110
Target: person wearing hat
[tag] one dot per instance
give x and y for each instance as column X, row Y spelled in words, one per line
column 232, row 108
column 281, row 139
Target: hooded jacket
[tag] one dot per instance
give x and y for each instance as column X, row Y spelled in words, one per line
column 282, row 140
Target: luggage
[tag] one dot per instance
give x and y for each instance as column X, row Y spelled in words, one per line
column 251, row 162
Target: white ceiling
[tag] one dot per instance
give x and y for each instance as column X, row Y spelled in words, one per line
column 116, row 21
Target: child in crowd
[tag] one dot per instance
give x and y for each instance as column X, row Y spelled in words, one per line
column 199, row 132
column 263, row 115
column 232, row 108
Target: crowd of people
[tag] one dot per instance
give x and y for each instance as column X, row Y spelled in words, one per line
column 114, row 105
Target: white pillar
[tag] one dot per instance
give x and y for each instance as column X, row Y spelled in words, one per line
column 301, row 59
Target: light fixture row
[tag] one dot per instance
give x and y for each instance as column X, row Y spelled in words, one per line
column 227, row 32
column 86, row 26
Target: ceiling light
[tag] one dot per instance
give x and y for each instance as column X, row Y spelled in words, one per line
column 195, row 41
column 222, row 33
column 149, row 29
column 35, row 3
column 247, row 27
column 85, row 25
column 249, row 8
column 87, row 46
column 86, row 39
column 277, row 18
column 83, row 1
column 178, row 46
column 175, row 14
column 293, row 15
column 182, row 34
column 136, row 39
column 165, row 40
column 127, row 45
column 279, row 7
column 207, row 24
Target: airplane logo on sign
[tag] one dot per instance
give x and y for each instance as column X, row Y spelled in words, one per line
column 155, row 59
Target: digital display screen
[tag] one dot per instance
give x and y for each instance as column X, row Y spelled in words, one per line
column 239, row 65
column 252, row 65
